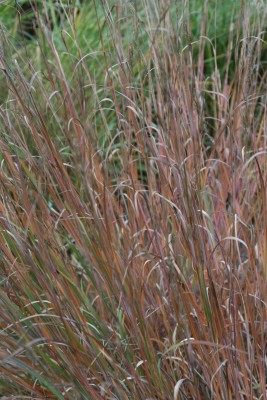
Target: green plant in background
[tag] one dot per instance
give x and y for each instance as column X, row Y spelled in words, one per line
column 77, row 29
column 3, row 66
column 3, row 88
column 133, row 230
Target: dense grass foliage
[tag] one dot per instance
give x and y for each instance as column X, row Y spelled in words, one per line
column 133, row 211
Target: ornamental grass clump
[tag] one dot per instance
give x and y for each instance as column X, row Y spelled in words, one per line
column 133, row 215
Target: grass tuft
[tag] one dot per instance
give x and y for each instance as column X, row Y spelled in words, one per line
column 133, row 225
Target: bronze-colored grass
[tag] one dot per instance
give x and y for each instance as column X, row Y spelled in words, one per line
column 133, row 212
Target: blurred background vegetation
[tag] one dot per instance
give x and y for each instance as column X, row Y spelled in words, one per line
column 80, row 31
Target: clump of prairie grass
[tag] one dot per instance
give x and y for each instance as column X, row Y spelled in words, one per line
column 133, row 210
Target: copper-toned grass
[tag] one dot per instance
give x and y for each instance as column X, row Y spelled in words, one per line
column 133, row 225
